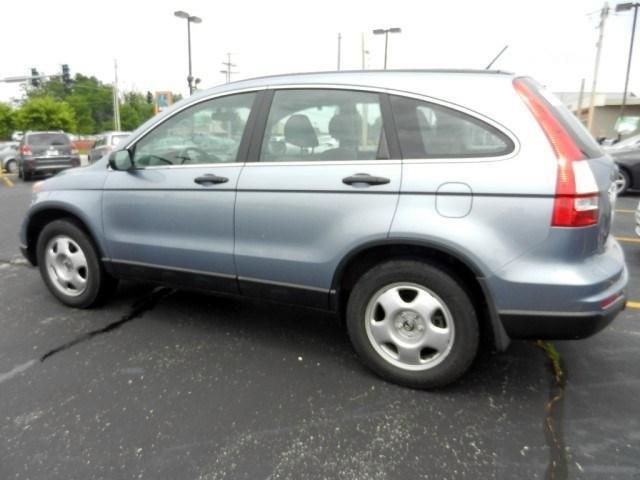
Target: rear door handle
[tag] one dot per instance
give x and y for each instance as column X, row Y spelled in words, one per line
column 365, row 178
column 210, row 178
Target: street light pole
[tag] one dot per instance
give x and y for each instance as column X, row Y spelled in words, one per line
column 190, row 19
column 621, row 7
column 386, row 32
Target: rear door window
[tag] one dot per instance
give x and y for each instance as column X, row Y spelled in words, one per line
column 428, row 130
column 324, row 125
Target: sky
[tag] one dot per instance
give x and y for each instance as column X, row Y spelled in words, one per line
column 553, row 41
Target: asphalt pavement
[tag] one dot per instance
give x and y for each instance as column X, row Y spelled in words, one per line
column 162, row 384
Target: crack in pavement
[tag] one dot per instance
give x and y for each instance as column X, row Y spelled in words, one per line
column 137, row 309
column 553, row 429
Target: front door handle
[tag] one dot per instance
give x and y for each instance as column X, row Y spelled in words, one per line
column 210, row 178
column 365, row 178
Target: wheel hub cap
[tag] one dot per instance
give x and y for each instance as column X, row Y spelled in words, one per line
column 66, row 265
column 409, row 326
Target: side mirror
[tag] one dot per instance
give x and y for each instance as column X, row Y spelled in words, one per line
column 121, row 160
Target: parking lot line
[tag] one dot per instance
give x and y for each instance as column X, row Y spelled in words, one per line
column 633, row 305
column 628, row 239
column 622, row 210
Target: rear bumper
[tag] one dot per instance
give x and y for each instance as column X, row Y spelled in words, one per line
column 48, row 165
column 558, row 325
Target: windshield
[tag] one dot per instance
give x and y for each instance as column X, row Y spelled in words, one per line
column 117, row 139
column 47, row 139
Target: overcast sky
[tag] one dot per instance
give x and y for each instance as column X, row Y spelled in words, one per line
column 552, row 40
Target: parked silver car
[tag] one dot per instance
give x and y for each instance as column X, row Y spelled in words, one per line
column 452, row 203
column 8, row 156
column 105, row 144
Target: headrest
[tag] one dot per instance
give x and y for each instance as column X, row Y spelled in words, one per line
column 299, row 132
column 346, row 127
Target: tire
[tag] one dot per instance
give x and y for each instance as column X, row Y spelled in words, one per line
column 26, row 176
column 69, row 265
column 12, row 167
column 623, row 182
column 19, row 171
column 425, row 336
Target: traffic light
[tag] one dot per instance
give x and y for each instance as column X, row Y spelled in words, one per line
column 149, row 97
column 35, row 80
column 66, row 76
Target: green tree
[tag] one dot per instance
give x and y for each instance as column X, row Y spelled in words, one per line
column 7, row 121
column 45, row 113
column 134, row 111
column 91, row 100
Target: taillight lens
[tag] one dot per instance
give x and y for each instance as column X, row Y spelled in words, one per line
column 25, row 150
column 576, row 197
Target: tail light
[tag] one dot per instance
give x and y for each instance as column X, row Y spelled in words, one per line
column 576, row 197
column 25, row 150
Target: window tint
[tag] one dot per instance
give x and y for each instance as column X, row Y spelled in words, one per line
column 324, row 125
column 209, row 132
column 427, row 130
column 47, row 139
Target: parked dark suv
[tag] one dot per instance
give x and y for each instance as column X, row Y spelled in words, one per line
column 45, row 152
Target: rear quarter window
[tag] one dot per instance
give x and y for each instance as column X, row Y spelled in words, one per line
column 428, row 130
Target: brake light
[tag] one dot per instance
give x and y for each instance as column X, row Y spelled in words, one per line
column 576, row 197
column 25, row 150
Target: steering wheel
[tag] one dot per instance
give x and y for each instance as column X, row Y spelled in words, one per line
column 210, row 157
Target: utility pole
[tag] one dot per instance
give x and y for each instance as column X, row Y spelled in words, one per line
column 580, row 95
column 363, row 51
column 603, row 17
column 339, row 47
column 116, row 102
column 227, row 71
column 621, row 8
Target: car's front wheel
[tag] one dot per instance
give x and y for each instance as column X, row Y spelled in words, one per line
column 413, row 323
column 70, row 266
column 622, row 182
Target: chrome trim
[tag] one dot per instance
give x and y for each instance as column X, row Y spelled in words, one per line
column 283, row 284
column 417, row 96
column 165, row 267
column 364, row 88
column 200, row 165
column 324, row 162
column 545, row 313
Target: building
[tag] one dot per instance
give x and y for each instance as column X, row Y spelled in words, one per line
column 606, row 111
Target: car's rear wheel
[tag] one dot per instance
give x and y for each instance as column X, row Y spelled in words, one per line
column 413, row 323
column 70, row 266
column 12, row 167
column 26, row 176
column 622, row 182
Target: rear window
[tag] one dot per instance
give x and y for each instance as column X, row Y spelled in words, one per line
column 427, row 130
column 47, row 139
column 574, row 127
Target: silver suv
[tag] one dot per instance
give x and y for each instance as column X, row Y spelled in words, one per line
column 424, row 207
